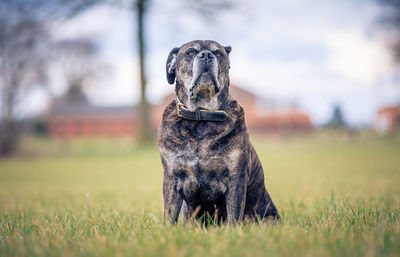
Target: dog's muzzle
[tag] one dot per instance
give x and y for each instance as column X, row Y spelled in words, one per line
column 205, row 74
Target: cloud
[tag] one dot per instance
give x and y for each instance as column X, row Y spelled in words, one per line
column 357, row 57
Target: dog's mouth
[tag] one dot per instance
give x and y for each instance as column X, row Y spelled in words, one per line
column 205, row 84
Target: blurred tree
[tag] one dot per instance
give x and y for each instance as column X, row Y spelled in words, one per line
column 80, row 63
column 23, row 39
column 146, row 135
column 391, row 21
column 337, row 120
column 73, row 7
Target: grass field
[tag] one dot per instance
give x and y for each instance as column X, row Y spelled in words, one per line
column 337, row 197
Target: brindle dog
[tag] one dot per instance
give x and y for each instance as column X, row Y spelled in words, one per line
column 210, row 166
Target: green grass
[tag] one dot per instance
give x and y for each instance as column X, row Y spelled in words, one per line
column 337, row 197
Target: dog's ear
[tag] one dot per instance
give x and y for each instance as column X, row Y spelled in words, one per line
column 171, row 65
column 228, row 49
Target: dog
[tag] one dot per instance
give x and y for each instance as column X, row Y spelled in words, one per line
column 210, row 167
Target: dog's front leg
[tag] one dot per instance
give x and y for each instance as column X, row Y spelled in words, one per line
column 184, row 212
column 236, row 199
column 172, row 200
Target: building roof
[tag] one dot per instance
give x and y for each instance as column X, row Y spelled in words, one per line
column 86, row 109
column 392, row 109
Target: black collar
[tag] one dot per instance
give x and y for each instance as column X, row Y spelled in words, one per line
column 201, row 114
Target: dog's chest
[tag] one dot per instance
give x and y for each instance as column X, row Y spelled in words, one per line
column 201, row 157
column 203, row 147
column 197, row 138
column 204, row 176
column 201, row 177
column 204, row 133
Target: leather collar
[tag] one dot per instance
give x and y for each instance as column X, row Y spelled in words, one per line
column 201, row 114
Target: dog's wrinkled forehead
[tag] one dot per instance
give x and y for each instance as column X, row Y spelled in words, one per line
column 200, row 45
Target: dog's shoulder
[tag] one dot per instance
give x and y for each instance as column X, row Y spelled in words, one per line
column 235, row 111
column 169, row 114
column 169, row 123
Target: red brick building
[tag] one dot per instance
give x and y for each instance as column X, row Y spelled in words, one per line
column 83, row 121
column 387, row 119
column 88, row 121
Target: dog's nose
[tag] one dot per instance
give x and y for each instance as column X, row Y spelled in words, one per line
column 205, row 55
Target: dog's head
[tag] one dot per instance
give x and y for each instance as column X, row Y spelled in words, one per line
column 201, row 71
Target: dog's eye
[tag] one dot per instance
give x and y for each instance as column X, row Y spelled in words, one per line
column 190, row 53
column 218, row 53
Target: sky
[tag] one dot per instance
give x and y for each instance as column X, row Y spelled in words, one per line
column 312, row 54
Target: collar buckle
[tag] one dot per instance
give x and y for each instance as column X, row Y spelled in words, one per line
column 178, row 109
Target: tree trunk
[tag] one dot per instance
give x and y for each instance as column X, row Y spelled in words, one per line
column 146, row 134
column 8, row 129
column 8, row 137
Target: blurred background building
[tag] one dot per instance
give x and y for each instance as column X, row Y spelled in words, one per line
column 68, row 119
column 388, row 119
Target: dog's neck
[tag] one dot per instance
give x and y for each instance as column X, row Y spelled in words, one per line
column 205, row 101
